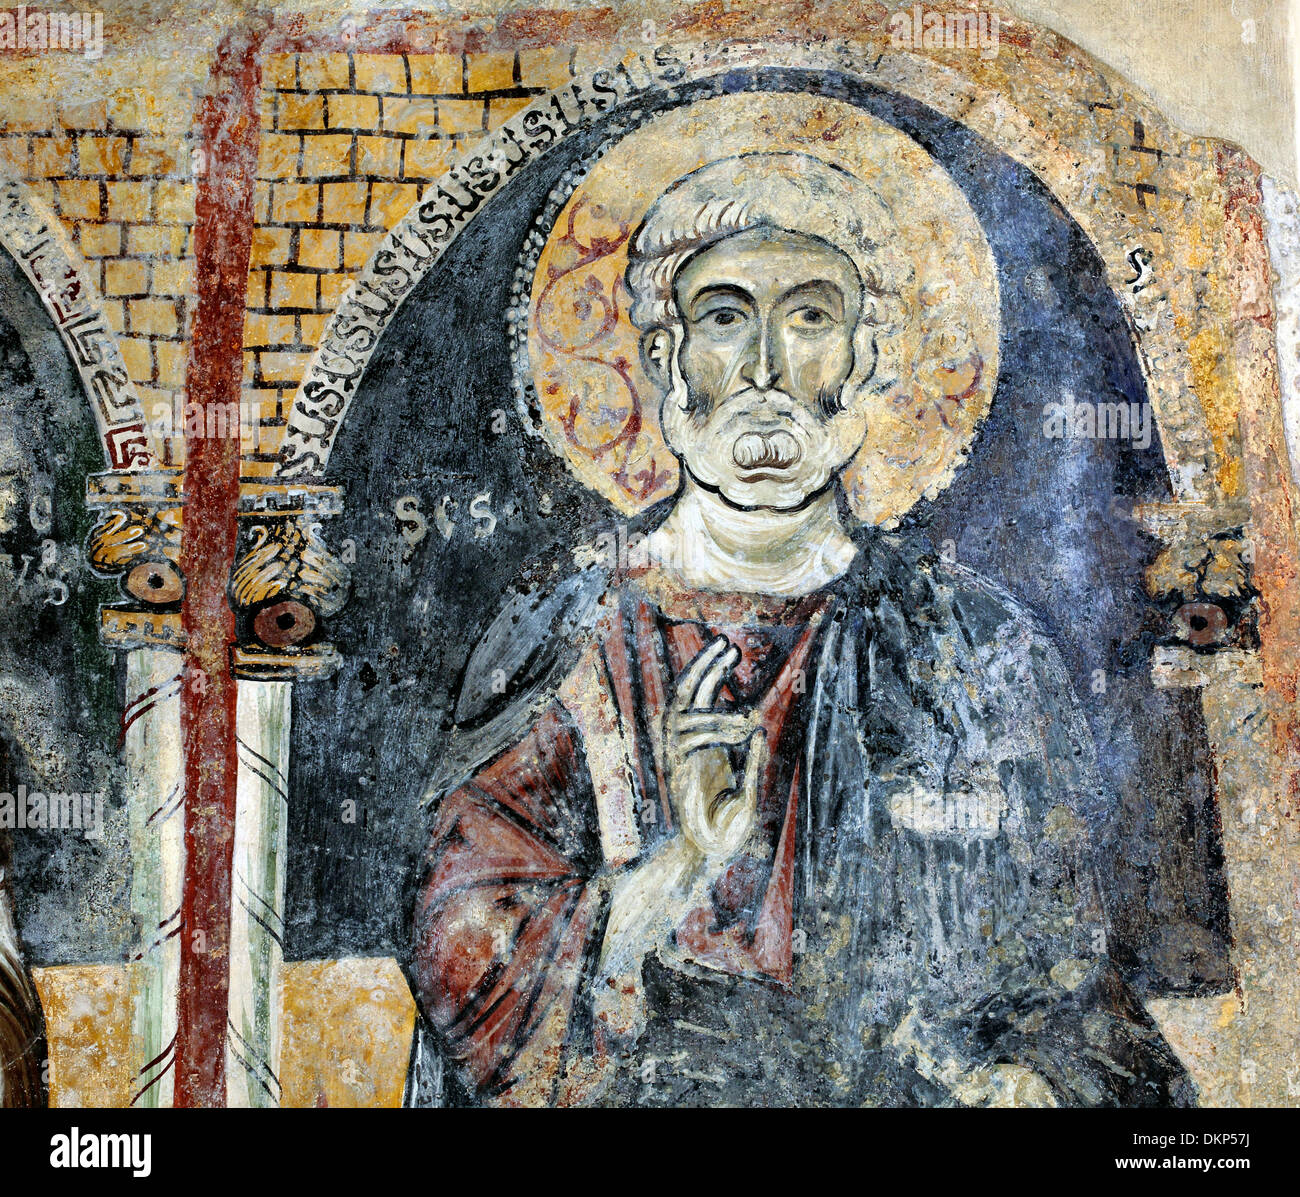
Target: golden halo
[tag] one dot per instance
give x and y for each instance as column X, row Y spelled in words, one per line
column 599, row 412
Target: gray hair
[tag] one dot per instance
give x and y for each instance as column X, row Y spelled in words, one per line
column 796, row 193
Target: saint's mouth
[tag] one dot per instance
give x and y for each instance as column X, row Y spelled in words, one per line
column 763, row 455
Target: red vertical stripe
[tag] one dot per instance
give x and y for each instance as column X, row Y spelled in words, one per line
column 223, row 229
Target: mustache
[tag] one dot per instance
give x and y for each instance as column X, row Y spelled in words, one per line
column 830, row 401
column 758, row 450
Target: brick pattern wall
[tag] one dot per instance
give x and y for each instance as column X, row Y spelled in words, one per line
column 348, row 143
column 120, row 181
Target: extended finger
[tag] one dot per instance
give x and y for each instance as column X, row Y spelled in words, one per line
column 694, row 721
column 689, row 680
column 755, row 765
column 707, row 691
column 712, row 738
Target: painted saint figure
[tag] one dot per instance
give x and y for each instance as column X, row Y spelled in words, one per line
column 781, row 810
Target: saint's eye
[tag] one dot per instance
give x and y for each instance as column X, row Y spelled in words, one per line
column 723, row 317
column 811, row 318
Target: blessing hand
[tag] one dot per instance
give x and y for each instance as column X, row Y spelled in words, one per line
column 716, row 816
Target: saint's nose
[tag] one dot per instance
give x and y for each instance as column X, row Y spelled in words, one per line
column 764, row 357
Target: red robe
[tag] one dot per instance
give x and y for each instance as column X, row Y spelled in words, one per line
column 510, row 919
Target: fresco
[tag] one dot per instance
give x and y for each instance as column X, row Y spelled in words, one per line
column 732, row 561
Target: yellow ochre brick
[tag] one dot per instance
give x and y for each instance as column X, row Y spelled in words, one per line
column 138, row 358
column 280, row 70
column 155, row 239
column 301, row 112
column 155, row 401
column 283, row 367
column 419, row 117
column 139, row 110
column 277, row 155
column 343, row 203
column 546, row 66
column 174, row 278
column 502, row 108
column 311, row 328
column 262, row 202
column 262, row 329
column 84, row 114
column 461, row 116
column 257, row 287
column 171, row 357
column 270, row 246
column 319, row 249
column 436, row 74
column 129, row 277
column 390, row 201
column 101, row 240
column 114, row 317
column 490, row 71
column 51, row 157
column 173, row 202
column 158, row 156
column 262, row 400
column 101, row 155
column 357, row 248
column 79, row 199
column 295, row 202
column 324, row 155
column 332, row 287
column 325, row 69
column 34, row 115
column 379, row 156
column 379, row 72
column 426, row 159
column 129, row 201
column 352, row 112
column 14, row 158
column 153, row 318
column 290, row 289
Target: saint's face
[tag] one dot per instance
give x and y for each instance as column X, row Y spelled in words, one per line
column 768, row 319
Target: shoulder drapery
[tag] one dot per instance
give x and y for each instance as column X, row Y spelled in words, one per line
column 508, row 921
column 952, row 777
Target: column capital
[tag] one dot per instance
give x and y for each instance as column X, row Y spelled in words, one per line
column 286, row 582
column 137, row 539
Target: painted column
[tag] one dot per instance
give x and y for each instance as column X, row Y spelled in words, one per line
column 257, row 909
column 137, row 539
column 151, row 749
column 284, row 584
